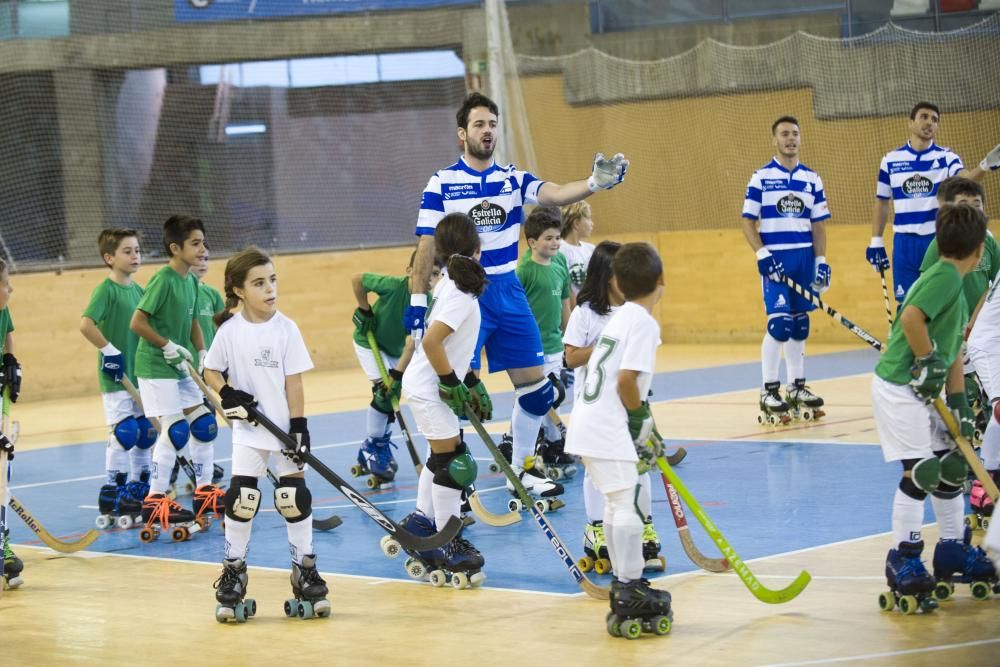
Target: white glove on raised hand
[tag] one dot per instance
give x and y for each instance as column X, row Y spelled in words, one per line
column 992, row 160
column 607, row 173
column 201, row 361
column 175, row 355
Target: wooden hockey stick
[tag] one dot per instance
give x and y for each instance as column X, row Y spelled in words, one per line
column 885, row 296
column 684, row 533
column 677, row 456
column 813, row 298
column 377, row 353
column 488, row 517
column 955, row 431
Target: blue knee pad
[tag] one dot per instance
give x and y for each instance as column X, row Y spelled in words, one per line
column 126, row 433
column 536, row 398
column 800, row 326
column 780, row 327
column 204, row 428
column 147, row 433
column 179, row 433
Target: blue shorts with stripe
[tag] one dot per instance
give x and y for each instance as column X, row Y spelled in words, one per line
column 800, row 266
column 908, row 252
column 507, row 328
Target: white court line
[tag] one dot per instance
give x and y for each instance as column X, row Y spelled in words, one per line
column 888, row 654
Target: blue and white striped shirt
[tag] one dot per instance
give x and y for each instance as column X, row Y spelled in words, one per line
column 494, row 199
column 911, row 179
column 786, row 203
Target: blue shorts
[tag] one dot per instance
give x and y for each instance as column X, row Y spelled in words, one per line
column 800, row 266
column 908, row 252
column 508, row 328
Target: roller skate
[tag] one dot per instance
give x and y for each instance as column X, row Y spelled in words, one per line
column 981, row 504
column 651, row 548
column 12, row 565
column 309, row 590
column 804, row 404
column 208, row 500
column 910, row 585
column 542, row 490
column 117, row 506
column 218, row 474
column 458, row 562
column 773, row 410
column 637, row 607
column 595, row 549
column 230, row 592
column 556, row 463
column 160, row 513
column 375, row 459
column 506, row 448
column 957, row 561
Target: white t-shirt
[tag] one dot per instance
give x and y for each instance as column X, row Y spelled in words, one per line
column 582, row 330
column 460, row 311
column 598, row 426
column 258, row 357
column 985, row 332
column 577, row 259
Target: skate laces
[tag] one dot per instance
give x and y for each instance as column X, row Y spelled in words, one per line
column 8, row 553
column 383, row 451
column 230, row 575
column 310, row 575
column 912, row 566
column 649, row 533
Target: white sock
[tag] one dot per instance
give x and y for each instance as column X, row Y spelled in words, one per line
column 770, row 358
column 907, row 518
column 447, row 503
column 645, row 500
column 300, row 538
column 524, row 428
column 140, row 459
column 552, row 433
column 623, row 532
column 203, row 459
column 795, row 359
column 425, row 498
column 164, row 457
column 115, row 459
column 950, row 513
column 376, row 423
column 238, row 538
column 991, row 444
column 593, row 500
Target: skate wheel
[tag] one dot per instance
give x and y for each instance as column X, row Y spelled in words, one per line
column 493, row 467
column 554, row 473
column 570, row 470
column 103, row 521
column 514, row 505
column 661, row 625
column 541, row 506
column 980, row 590
column 306, row 610
column 460, row 580
column 438, row 578
column 614, row 625
column 415, row 569
column 970, row 521
column 124, row 522
column 943, row 590
column 372, row 482
column 807, row 415
column 223, row 614
column 631, row 628
column 240, row 613
column 251, row 606
column 908, row 604
column 760, row 420
column 929, row 604
column 203, row 522
column 886, row 601
column 586, row 564
column 322, row 608
column 602, row 566
column 179, row 534
column 357, row 471
column 390, row 546
column 291, row 608
column 147, row 535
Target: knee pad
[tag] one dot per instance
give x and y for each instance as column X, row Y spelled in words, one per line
column 292, row 499
column 559, row 389
column 954, row 469
column 800, row 326
column 179, row 431
column 907, row 486
column 536, row 398
column 455, row 470
column 126, row 433
column 924, row 473
column 147, row 433
column 779, row 327
column 947, row 491
column 203, row 426
column 242, row 498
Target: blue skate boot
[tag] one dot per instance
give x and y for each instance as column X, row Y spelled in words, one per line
column 117, row 506
column 376, row 460
column 910, row 584
column 458, row 562
column 957, row 561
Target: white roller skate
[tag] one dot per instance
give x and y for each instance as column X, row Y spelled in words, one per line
column 541, row 489
column 773, row 410
column 804, row 404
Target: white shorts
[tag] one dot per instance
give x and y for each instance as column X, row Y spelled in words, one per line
column 163, row 397
column 552, row 364
column 610, row 475
column 253, row 462
column 907, row 428
column 987, row 367
column 368, row 364
column 435, row 420
column 118, row 405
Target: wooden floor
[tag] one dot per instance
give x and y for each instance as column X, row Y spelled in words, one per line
column 113, row 609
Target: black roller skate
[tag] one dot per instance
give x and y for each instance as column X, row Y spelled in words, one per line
column 773, row 410
column 207, row 504
column 506, row 448
column 12, row 565
column 637, row 607
column 160, row 513
column 957, row 561
column 981, row 504
column 218, row 474
column 651, row 548
column 542, row 490
column 309, row 590
column 230, row 592
column 457, row 562
column 556, row 463
column 595, row 549
column 804, row 404
column 117, row 506
column 375, row 459
column 910, row 585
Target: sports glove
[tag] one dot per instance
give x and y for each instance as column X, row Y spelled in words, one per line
column 566, row 375
column 201, row 361
column 10, row 376
column 299, row 431
column 929, row 373
column 413, row 318
column 479, row 399
column 959, row 404
column 387, row 397
column 454, row 394
column 175, row 355
column 992, row 160
column 112, row 362
column 875, row 254
column 769, row 266
column 640, row 424
column 821, row 282
column 364, row 320
column 235, row 403
column 7, row 446
column 607, row 173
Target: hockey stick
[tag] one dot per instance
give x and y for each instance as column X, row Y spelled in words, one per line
column 4, row 425
column 849, row 325
column 488, row 517
column 185, row 462
column 677, row 456
column 318, row 524
column 589, row 587
column 885, row 296
column 955, row 431
column 759, row 590
column 684, row 533
column 408, row 540
column 377, row 353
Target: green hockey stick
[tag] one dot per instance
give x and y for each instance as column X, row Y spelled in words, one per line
column 377, row 353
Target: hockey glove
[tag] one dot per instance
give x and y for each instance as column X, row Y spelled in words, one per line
column 235, row 403
column 175, row 355
column 929, row 373
column 959, row 404
column 413, row 318
column 566, row 375
column 992, row 160
column 479, row 399
column 7, row 446
column 386, row 398
column 875, row 254
column 607, row 173
column 299, row 431
column 640, row 424
column 364, row 321
column 201, row 361
column 821, row 282
column 454, row 394
column 769, row 266
column 112, row 362
column 10, row 376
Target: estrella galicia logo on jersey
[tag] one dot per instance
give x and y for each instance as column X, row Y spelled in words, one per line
column 488, row 217
column 265, row 359
column 918, row 186
column 790, row 206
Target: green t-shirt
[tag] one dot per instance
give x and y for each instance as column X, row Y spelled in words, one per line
column 977, row 281
column 170, row 301
column 111, row 307
column 546, row 285
column 393, row 298
column 938, row 293
column 210, row 302
column 6, row 327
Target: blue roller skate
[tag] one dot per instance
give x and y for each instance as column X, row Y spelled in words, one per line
column 458, row 562
column 117, row 506
column 910, row 584
column 957, row 561
column 376, row 460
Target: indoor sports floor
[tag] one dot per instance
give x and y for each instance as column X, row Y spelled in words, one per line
column 812, row 495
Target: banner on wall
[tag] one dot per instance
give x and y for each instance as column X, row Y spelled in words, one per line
column 188, row 11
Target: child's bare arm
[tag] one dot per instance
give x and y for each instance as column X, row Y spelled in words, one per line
column 296, row 396
column 360, row 293
column 92, row 333
column 214, row 379
column 577, row 356
column 140, row 325
column 914, row 323
column 628, row 389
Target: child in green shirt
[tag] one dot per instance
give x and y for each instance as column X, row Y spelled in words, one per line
column 10, row 379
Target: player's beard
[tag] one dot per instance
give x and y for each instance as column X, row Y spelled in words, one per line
column 477, row 151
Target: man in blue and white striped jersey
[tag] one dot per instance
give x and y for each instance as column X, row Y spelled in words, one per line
column 493, row 195
column 909, row 177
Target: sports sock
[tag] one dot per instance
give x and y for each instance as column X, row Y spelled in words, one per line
column 770, row 358
column 795, row 359
column 300, row 538
column 115, row 459
column 593, row 500
column 164, row 456
column 907, row 518
column 447, row 503
column 950, row 514
column 140, row 459
column 376, row 423
column 425, row 497
column 202, row 457
column 238, row 538
column 524, row 427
